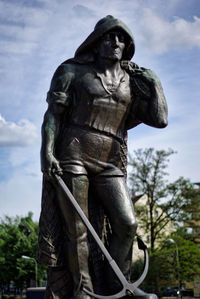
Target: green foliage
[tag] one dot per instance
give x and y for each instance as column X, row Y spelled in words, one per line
column 165, row 202
column 164, row 269
column 18, row 236
column 177, row 203
column 192, row 215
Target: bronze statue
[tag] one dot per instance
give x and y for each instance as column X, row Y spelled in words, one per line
column 93, row 100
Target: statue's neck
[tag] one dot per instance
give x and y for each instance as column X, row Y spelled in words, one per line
column 108, row 67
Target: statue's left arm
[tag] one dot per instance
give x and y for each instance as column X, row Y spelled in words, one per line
column 149, row 104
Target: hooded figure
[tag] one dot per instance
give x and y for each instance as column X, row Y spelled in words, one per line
column 93, row 100
column 103, row 26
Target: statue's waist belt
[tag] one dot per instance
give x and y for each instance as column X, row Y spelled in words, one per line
column 93, row 130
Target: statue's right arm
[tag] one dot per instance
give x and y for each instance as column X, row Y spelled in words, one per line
column 59, row 100
column 50, row 130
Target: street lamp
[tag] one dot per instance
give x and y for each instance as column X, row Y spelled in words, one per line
column 36, row 269
column 178, row 265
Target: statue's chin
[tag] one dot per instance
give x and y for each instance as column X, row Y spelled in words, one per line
column 113, row 58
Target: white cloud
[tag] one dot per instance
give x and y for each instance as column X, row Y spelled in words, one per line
column 22, row 13
column 19, row 47
column 17, row 134
column 20, row 27
column 181, row 137
column 19, row 195
column 36, row 38
column 162, row 35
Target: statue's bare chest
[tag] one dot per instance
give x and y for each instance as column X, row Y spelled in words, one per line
column 94, row 88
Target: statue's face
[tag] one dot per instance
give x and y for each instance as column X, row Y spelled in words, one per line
column 111, row 45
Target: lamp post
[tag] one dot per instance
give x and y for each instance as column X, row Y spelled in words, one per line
column 178, row 265
column 36, row 268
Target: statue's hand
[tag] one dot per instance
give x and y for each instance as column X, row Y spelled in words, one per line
column 50, row 165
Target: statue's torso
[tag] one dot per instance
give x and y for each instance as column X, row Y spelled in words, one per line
column 95, row 125
column 96, row 106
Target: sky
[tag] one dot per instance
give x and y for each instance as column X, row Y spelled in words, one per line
column 36, row 36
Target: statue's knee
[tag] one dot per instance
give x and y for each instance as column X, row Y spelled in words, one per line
column 131, row 228
column 127, row 229
column 77, row 232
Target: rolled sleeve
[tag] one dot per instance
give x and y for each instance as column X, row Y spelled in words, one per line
column 59, row 92
column 58, row 97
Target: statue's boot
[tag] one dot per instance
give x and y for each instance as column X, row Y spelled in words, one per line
column 78, row 266
column 138, row 293
column 115, row 285
column 82, row 295
column 123, row 258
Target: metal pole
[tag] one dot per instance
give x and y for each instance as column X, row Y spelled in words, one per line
column 36, row 267
column 178, row 266
column 36, row 271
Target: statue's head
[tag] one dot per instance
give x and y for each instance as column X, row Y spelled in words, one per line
column 109, row 29
column 111, row 45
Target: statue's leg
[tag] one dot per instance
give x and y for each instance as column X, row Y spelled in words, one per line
column 77, row 248
column 113, row 193
column 59, row 283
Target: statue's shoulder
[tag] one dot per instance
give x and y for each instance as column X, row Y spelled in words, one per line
column 67, row 70
column 71, row 68
column 67, row 67
column 129, row 66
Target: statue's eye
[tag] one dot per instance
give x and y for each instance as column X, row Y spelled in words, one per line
column 110, row 36
column 121, row 37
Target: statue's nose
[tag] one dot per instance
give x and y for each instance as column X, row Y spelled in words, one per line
column 115, row 41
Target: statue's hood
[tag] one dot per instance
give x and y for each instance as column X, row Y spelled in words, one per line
column 103, row 26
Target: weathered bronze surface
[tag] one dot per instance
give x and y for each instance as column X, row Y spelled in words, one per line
column 93, row 100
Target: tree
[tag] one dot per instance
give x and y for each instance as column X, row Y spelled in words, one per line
column 166, row 271
column 165, row 202
column 18, row 237
column 192, row 215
